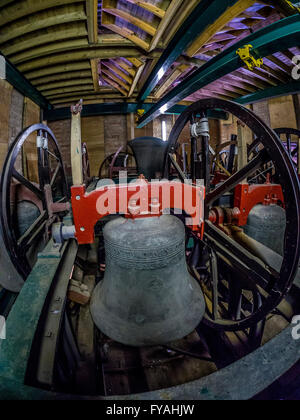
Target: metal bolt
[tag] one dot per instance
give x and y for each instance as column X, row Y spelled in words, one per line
column 82, row 229
column 78, row 197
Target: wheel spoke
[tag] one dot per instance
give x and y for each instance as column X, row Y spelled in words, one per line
column 241, row 259
column 177, row 167
column 55, row 175
column 261, row 159
column 27, row 184
column 27, row 238
column 215, row 281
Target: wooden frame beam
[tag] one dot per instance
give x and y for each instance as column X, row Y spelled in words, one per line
column 136, row 79
column 231, row 13
column 92, row 20
column 95, row 74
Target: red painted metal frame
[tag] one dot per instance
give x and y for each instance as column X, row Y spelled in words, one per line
column 248, row 196
column 89, row 208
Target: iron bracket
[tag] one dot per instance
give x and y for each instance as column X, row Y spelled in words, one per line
column 248, row 58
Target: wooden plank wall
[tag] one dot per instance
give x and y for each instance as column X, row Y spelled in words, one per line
column 17, row 113
column 31, row 115
column 282, row 112
column 93, row 135
column 276, row 113
column 5, row 94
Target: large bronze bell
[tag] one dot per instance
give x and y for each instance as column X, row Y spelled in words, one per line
column 150, row 155
column 147, row 296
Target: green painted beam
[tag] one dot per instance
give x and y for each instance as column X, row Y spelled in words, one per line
column 206, row 13
column 19, row 82
column 24, row 316
column 117, row 108
column 279, row 36
column 272, row 92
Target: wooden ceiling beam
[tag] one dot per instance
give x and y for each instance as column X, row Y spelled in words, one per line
column 43, row 20
column 78, row 55
column 157, row 11
column 69, row 89
column 29, row 7
column 115, row 85
column 228, row 80
column 177, row 72
column 46, row 50
column 58, row 69
column 141, row 24
column 46, row 36
column 261, row 75
column 126, row 67
column 135, row 61
column 277, row 73
column 112, row 76
column 82, row 92
column 254, row 81
column 112, row 40
column 185, row 10
column 110, row 65
column 230, row 87
column 93, row 98
column 64, row 83
column 126, row 33
column 218, row 25
column 165, row 22
column 279, row 63
column 62, row 76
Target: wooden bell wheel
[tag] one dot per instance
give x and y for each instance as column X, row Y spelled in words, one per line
column 115, row 163
column 33, row 194
column 240, row 288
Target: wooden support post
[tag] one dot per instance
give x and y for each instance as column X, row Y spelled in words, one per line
column 130, row 126
column 76, row 152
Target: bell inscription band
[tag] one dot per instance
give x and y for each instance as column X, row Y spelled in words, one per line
column 147, row 296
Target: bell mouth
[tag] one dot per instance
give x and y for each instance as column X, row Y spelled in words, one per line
column 139, row 330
